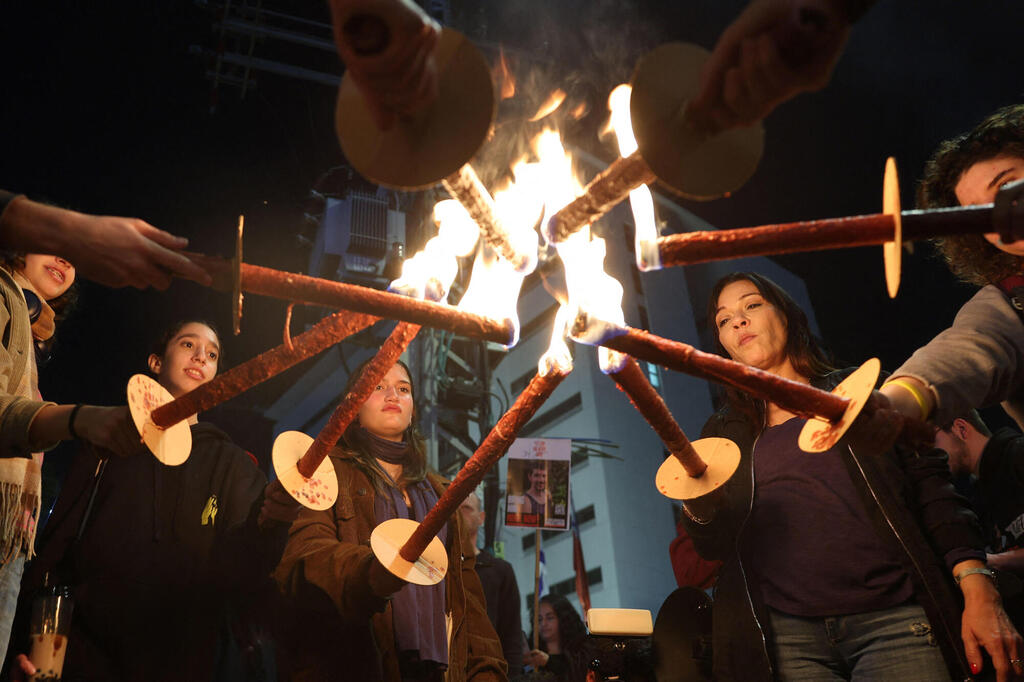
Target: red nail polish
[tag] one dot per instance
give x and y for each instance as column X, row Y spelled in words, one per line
column 975, row 668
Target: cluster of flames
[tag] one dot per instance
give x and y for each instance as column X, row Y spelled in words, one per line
column 541, row 184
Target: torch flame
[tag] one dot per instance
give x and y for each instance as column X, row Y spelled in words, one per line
column 455, row 227
column 430, row 273
column 640, row 199
column 550, row 105
column 591, row 289
column 540, row 186
column 557, row 356
column 493, row 289
column 503, row 76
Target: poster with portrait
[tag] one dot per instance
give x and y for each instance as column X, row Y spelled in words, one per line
column 537, row 486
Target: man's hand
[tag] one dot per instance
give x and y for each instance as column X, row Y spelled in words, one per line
column 388, row 49
column 877, row 426
column 113, row 251
column 1011, row 560
column 121, row 252
column 774, row 50
column 986, row 625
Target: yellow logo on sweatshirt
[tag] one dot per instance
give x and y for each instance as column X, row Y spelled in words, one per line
column 210, row 511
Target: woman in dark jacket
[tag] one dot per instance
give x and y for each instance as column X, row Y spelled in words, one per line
column 838, row 565
column 352, row 619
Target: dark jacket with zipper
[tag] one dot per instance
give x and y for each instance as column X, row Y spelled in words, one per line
column 912, row 505
column 335, row 627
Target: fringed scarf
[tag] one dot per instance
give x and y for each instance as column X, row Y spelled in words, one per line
column 21, row 477
column 418, row 611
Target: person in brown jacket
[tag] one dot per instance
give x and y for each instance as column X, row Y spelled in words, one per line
column 347, row 617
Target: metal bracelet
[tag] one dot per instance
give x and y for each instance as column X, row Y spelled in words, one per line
column 983, row 570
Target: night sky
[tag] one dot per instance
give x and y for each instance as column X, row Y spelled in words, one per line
column 103, row 108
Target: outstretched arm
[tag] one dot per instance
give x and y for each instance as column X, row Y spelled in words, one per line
column 32, row 426
column 977, row 362
column 388, row 49
column 1011, row 560
column 773, row 51
column 113, row 251
column 317, row 564
column 109, row 428
column 985, row 625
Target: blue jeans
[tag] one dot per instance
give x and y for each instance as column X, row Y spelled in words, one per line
column 10, row 585
column 891, row 644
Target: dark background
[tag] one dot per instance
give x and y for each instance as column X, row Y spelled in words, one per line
column 104, row 108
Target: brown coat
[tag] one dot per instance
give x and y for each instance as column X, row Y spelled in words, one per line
column 335, row 628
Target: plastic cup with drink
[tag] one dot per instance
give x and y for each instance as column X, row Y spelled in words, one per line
column 51, row 623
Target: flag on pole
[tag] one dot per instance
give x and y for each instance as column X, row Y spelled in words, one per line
column 582, row 588
column 541, row 587
column 538, row 587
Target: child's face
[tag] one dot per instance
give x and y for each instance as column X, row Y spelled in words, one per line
column 50, row 276
column 979, row 185
column 189, row 361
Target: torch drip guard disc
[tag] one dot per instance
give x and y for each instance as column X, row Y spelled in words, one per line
column 720, row 454
column 819, row 435
column 172, row 445
column 422, row 149
column 389, row 537
column 892, row 251
column 686, row 160
column 237, row 297
column 318, row 492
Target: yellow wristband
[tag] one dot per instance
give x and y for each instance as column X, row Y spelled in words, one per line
column 906, row 385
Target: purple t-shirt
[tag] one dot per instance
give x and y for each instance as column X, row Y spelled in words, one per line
column 811, row 544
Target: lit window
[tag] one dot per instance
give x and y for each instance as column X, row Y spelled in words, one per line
column 653, row 376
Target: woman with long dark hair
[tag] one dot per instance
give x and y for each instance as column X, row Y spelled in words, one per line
column 355, row 620
column 837, row 565
column 563, row 638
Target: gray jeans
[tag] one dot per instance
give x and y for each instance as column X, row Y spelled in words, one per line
column 890, row 644
column 10, row 585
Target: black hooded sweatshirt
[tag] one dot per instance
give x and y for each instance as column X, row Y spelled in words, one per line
column 165, row 554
